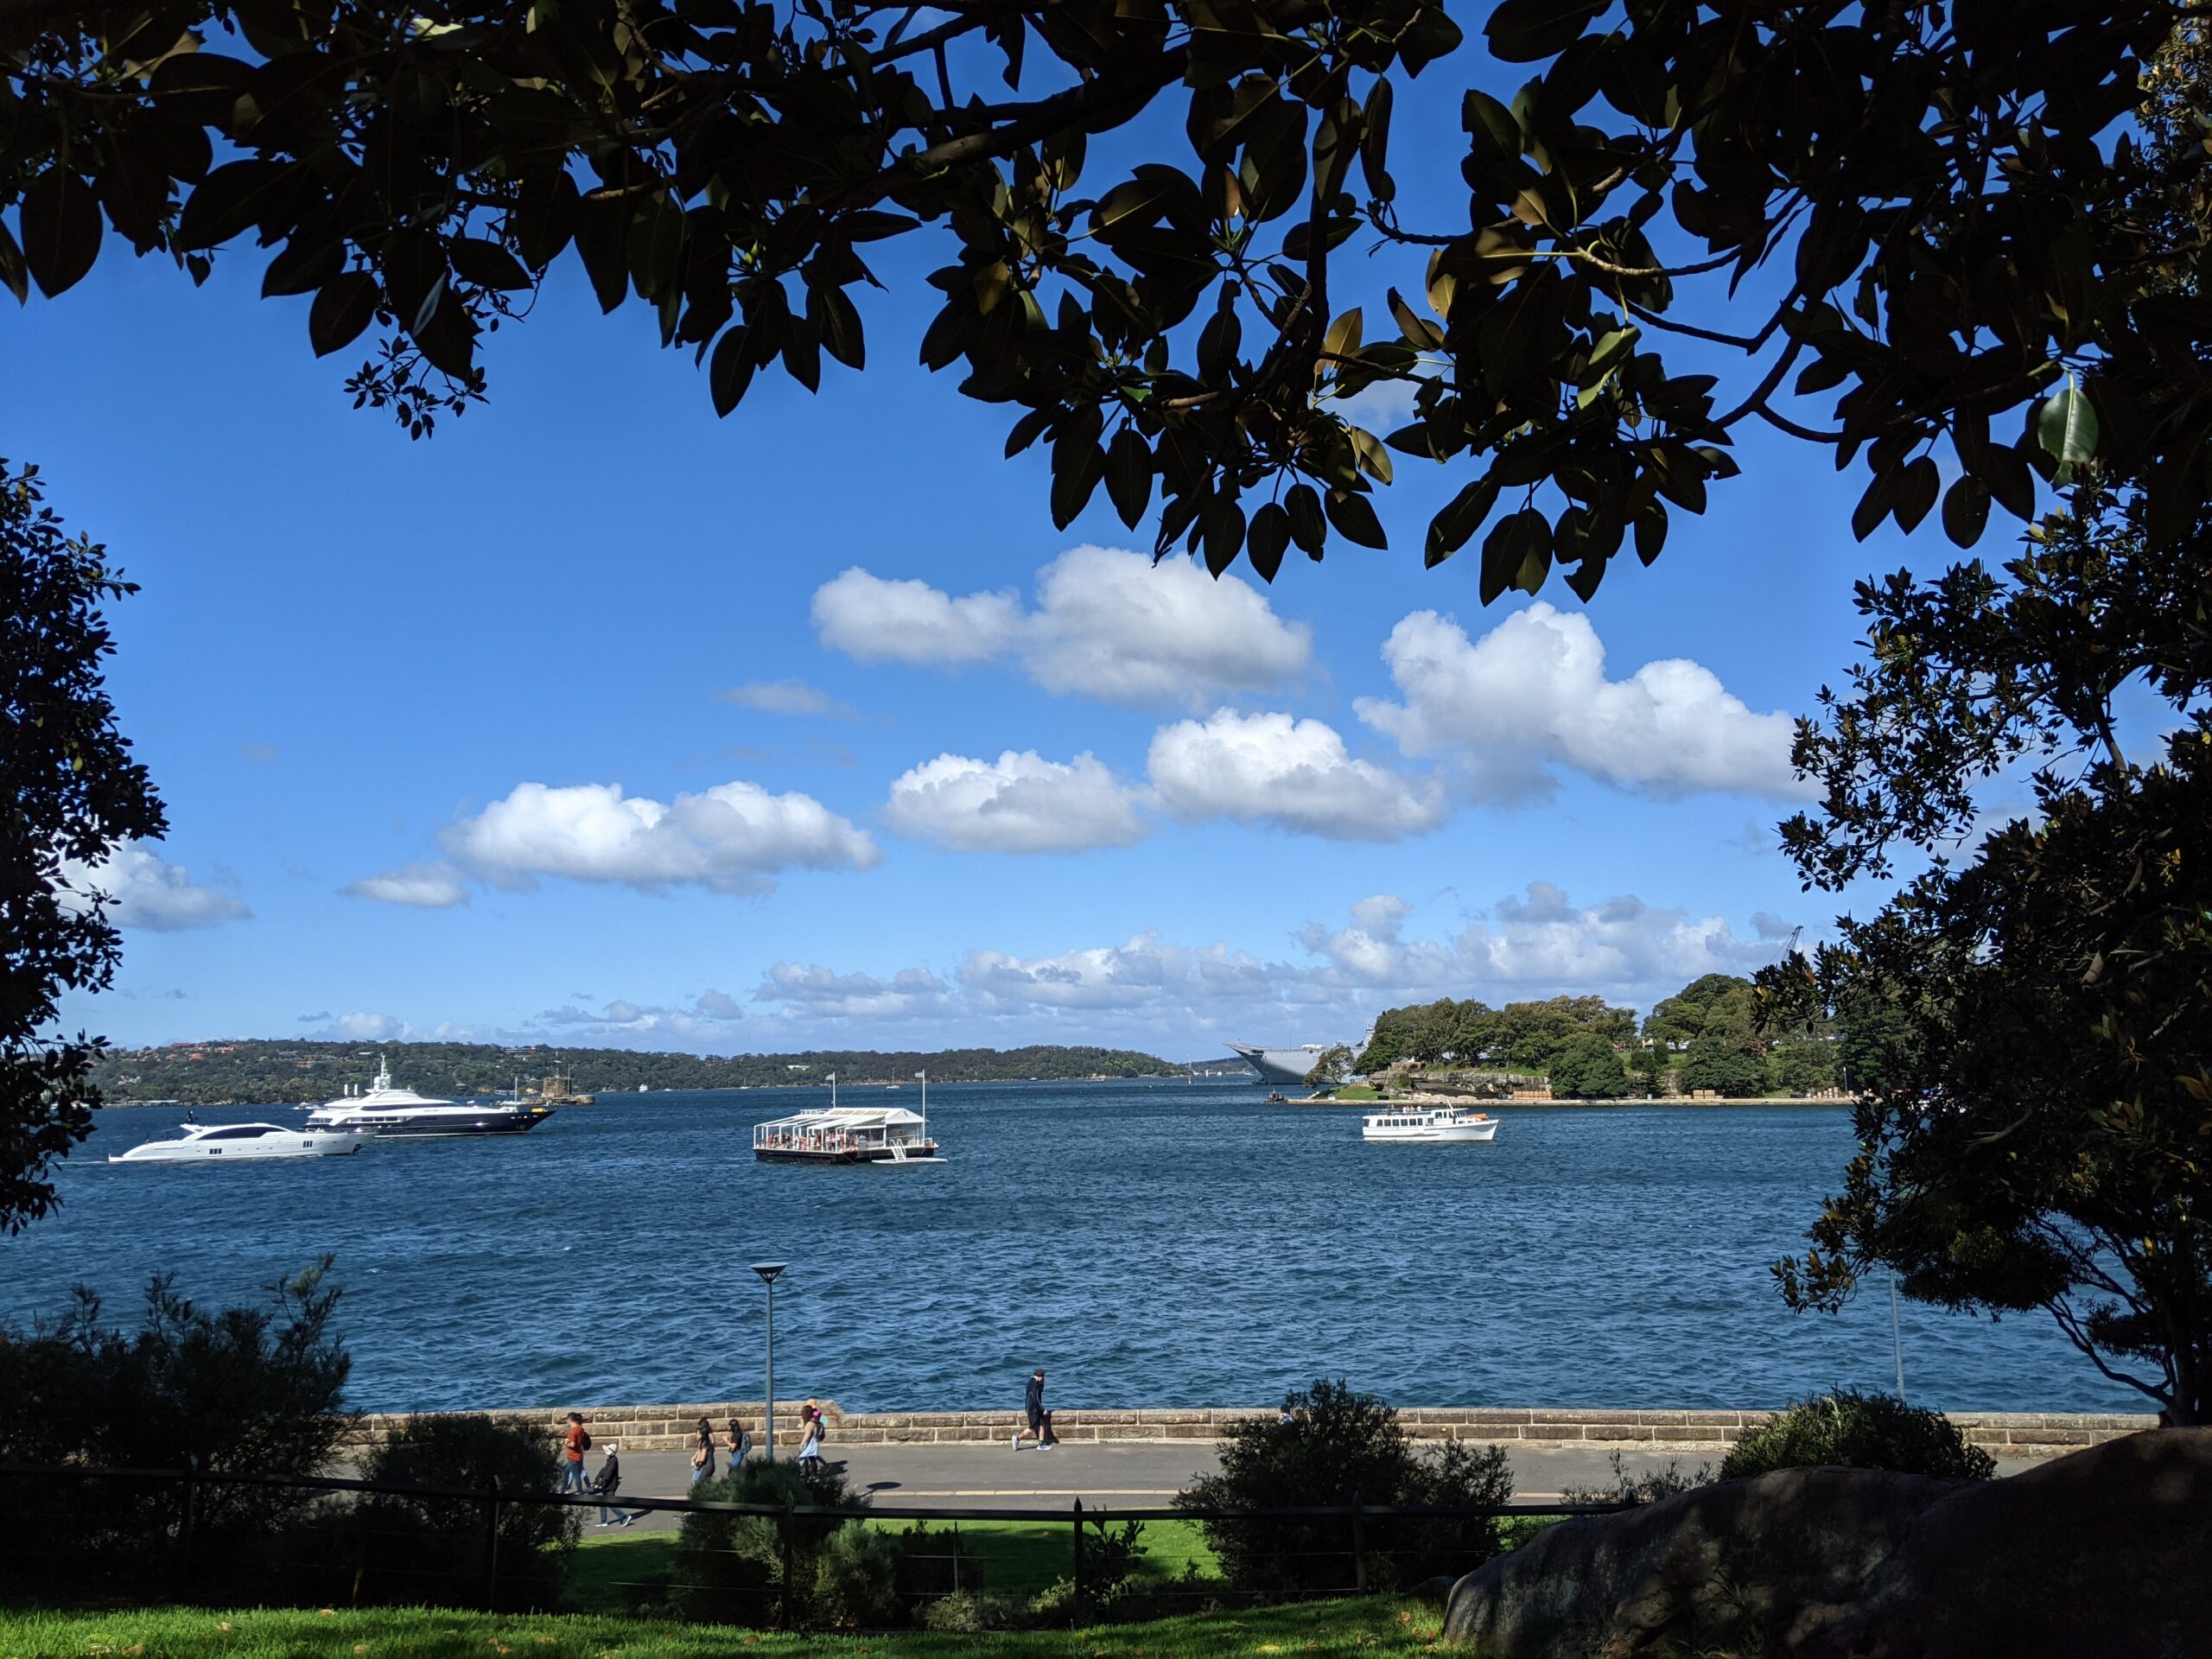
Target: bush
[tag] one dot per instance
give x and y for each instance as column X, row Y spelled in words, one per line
column 248, row 1390
column 1339, row 1448
column 432, row 1551
column 856, row 1581
column 1648, row 1487
column 730, row 1568
column 969, row 1613
column 933, row 1565
column 1858, row 1431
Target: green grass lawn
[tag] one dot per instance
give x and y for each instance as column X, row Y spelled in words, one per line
column 613, row 1573
column 1372, row 1628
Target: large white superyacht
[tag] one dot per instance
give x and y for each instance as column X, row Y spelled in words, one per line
column 385, row 1110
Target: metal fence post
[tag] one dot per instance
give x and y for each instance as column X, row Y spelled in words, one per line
column 187, row 1524
column 784, row 1597
column 1358, row 1545
column 1077, row 1597
column 492, row 1549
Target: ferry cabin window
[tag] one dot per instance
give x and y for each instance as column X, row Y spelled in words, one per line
column 248, row 1133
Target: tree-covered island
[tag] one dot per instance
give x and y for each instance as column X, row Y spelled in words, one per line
column 273, row 1073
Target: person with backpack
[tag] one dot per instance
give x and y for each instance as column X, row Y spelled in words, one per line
column 606, row 1484
column 574, row 1445
column 702, row 1455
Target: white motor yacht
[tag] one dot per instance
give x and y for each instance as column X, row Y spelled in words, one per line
column 236, row 1142
column 1426, row 1123
column 385, row 1109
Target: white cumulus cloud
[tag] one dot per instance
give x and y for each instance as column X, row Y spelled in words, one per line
column 1295, row 775
column 732, row 838
column 1107, row 624
column 820, row 993
column 873, row 620
column 425, row 885
column 1531, row 696
column 1020, row 803
column 144, row 890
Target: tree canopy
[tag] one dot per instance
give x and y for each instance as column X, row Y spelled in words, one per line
column 2027, row 1020
column 1930, row 210
column 71, row 790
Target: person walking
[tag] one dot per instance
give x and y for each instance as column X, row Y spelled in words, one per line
column 809, row 1450
column 1033, row 1406
column 574, row 1445
column 738, row 1444
column 703, row 1454
column 606, row 1484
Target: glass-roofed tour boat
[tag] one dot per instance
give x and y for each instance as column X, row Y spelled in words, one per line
column 848, row 1134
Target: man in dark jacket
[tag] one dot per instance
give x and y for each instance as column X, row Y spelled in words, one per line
column 606, row 1484
column 1034, row 1409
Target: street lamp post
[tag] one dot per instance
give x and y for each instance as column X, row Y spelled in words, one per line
column 769, row 1271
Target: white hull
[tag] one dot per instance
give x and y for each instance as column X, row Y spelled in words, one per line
column 242, row 1143
column 1472, row 1132
column 1281, row 1064
column 1421, row 1125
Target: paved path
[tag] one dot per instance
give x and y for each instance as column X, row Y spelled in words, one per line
column 1140, row 1475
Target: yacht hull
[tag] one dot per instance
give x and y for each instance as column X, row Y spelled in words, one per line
column 1472, row 1133
column 430, row 1128
column 849, row 1155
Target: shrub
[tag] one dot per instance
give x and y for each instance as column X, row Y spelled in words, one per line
column 247, row 1391
column 856, row 1581
column 1858, row 1431
column 1648, row 1487
column 1340, row 1448
column 406, row 1549
column 934, row 1564
column 730, row 1568
column 969, row 1613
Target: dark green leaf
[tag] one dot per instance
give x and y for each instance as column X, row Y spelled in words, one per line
column 62, row 230
column 341, row 310
column 227, row 201
column 1128, row 474
column 1874, row 506
column 1524, row 31
column 14, row 276
column 1966, row 510
column 1419, row 332
column 1265, row 538
column 1462, row 517
column 731, row 371
column 486, row 264
column 1027, row 430
column 1650, row 529
column 2010, row 484
column 1224, row 538
column 2066, row 426
column 1076, row 472
column 1916, row 493
column 1354, row 516
column 1494, row 128
column 1307, row 529
column 838, row 320
column 1374, row 141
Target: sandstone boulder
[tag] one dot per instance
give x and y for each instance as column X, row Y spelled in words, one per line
column 2104, row 1552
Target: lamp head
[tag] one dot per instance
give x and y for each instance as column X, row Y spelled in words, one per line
column 768, row 1271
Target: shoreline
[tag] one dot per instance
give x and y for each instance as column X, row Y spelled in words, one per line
column 668, row 1428
column 1563, row 1100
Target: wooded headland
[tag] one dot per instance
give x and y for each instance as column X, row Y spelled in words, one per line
column 257, row 1072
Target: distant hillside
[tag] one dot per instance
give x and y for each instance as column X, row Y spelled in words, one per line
column 270, row 1073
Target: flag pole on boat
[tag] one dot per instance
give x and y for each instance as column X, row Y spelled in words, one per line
column 924, row 1076
column 833, row 1091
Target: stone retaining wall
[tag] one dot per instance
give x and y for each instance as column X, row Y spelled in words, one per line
column 670, row 1428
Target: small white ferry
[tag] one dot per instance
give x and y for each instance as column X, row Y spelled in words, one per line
column 846, row 1135
column 240, row 1143
column 1426, row 1123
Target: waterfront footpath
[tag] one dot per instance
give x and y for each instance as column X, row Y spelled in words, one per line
column 671, row 1427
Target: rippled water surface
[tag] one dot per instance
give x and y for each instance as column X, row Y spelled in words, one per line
column 1164, row 1245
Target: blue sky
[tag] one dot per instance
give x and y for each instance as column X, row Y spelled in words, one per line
column 390, row 689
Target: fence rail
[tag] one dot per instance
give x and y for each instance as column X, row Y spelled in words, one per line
column 192, row 1486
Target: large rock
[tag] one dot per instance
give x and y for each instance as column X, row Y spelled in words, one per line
column 2107, row 1552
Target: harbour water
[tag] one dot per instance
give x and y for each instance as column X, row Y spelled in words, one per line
column 1159, row 1245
